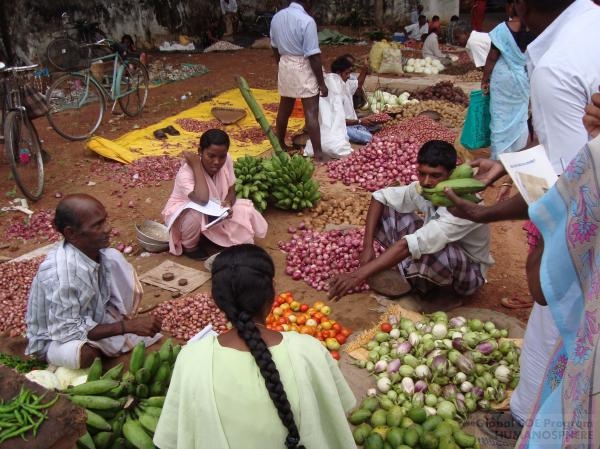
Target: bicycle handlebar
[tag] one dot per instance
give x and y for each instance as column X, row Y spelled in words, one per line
column 23, row 68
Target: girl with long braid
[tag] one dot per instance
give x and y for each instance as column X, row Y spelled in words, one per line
column 251, row 387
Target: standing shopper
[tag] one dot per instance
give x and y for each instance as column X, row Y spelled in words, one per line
column 295, row 43
column 478, row 14
column 505, row 80
column 252, row 387
column 229, row 10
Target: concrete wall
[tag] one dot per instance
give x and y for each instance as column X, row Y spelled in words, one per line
column 26, row 26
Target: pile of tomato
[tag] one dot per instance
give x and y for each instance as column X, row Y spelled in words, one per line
column 288, row 314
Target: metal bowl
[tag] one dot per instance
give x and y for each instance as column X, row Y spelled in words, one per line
column 153, row 247
column 152, row 232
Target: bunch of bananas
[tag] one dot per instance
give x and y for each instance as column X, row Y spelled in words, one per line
column 251, row 181
column 461, row 182
column 291, row 180
column 123, row 408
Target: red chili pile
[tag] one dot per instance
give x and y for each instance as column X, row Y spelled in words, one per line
column 192, row 125
column 143, row 172
column 185, row 317
column 315, row 257
column 35, row 227
column 16, row 278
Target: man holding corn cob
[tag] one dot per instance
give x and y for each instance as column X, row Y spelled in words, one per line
column 421, row 254
column 84, row 296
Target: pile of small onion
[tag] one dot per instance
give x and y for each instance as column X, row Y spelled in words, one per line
column 147, row 171
column 36, row 227
column 15, row 278
column 186, row 316
column 316, row 257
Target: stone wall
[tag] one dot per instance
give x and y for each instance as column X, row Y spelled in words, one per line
column 26, row 26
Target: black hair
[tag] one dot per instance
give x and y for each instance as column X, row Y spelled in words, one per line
column 340, row 64
column 213, row 137
column 437, row 152
column 434, row 18
column 242, row 287
column 349, row 57
column 66, row 215
column 454, row 19
column 422, row 17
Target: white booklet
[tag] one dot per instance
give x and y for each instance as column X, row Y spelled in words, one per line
column 531, row 171
column 215, row 212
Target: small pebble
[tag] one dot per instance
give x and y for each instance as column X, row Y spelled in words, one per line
column 175, row 295
column 182, row 282
column 168, row 276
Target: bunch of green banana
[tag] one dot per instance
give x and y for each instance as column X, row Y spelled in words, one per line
column 251, row 181
column 122, row 408
column 461, row 182
column 291, row 180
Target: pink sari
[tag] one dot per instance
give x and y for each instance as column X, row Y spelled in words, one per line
column 245, row 222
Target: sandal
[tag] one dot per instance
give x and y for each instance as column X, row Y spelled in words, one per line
column 515, row 302
column 159, row 134
column 171, row 130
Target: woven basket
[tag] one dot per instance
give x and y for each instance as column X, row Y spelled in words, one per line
column 228, row 116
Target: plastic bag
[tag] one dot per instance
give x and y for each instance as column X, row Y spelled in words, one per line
column 476, row 131
column 332, row 121
column 391, row 62
column 376, row 54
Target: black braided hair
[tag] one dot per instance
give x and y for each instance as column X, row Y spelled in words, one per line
column 242, row 286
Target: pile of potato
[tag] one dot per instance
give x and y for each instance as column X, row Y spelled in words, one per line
column 471, row 76
column 452, row 115
column 333, row 211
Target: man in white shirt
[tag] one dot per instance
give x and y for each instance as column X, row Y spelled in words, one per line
column 476, row 43
column 295, row 43
column 417, row 30
column 84, row 297
column 438, row 251
column 431, row 49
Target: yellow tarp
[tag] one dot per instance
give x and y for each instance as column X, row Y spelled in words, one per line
column 141, row 142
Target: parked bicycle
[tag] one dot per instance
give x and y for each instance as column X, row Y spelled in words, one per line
column 77, row 100
column 80, row 31
column 22, row 145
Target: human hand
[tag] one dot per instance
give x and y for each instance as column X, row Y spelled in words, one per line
column 146, row 325
column 367, row 121
column 367, row 255
column 341, row 284
column 488, row 170
column 591, row 119
column 462, row 208
column 485, row 87
column 323, row 90
column 191, row 158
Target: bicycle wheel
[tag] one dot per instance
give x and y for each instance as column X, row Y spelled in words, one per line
column 22, row 148
column 134, row 87
column 64, row 54
column 76, row 106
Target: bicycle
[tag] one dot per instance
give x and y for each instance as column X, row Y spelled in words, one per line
column 79, row 31
column 77, row 100
column 22, row 145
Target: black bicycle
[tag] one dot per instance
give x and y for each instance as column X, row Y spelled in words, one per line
column 22, row 145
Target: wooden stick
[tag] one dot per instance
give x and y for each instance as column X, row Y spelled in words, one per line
column 258, row 113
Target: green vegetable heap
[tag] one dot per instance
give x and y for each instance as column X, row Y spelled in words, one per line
column 21, row 365
column 24, row 413
column 251, row 181
column 123, row 408
column 430, row 376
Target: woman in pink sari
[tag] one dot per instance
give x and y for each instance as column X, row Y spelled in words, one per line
column 208, row 176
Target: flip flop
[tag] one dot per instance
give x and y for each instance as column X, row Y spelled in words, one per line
column 515, row 302
column 171, row 130
column 159, row 134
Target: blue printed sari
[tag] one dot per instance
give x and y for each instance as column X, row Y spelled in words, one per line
column 509, row 94
column 567, row 413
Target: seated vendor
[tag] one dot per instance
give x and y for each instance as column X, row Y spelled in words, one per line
column 208, row 175
column 431, row 48
column 435, row 25
column 424, row 254
column 361, row 130
column 84, row 297
column 417, row 30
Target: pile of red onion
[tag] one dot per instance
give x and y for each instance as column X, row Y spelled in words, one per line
column 15, row 278
column 316, row 257
column 192, row 125
column 271, row 107
column 253, row 135
column 186, row 316
column 391, row 156
column 144, row 172
column 36, row 227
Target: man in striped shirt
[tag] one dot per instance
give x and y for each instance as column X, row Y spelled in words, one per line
column 84, row 296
